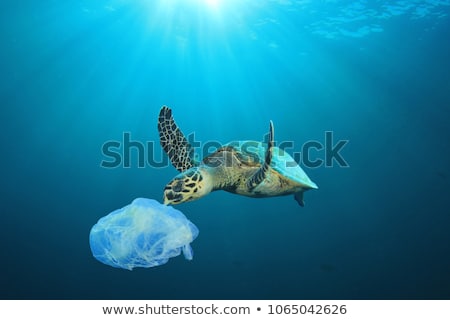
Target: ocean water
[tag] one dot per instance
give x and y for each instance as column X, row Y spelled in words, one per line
column 77, row 74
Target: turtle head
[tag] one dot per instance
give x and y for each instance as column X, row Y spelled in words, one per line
column 189, row 185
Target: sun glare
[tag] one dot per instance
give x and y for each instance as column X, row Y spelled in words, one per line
column 208, row 4
column 211, row 3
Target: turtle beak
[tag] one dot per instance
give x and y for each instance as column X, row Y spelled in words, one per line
column 168, row 195
column 171, row 197
column 166, row 200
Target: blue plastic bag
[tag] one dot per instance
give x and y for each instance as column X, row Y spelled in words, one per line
column 142, row 234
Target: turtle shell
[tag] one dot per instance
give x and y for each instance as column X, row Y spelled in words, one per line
column 253, row 153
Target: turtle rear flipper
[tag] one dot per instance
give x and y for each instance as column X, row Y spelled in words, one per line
column 299, row 198
column 174, row 142
column 260, row 175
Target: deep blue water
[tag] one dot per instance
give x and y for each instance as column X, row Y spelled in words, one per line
column 76, row 74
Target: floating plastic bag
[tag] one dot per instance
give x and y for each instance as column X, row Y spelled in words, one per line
column 142, row 234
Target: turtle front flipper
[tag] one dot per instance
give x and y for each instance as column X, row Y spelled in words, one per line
column 260, row 175
column 174, row 142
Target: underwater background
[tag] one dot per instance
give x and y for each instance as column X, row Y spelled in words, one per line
column 76, row 74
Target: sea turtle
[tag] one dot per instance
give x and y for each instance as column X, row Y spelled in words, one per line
column 248, row 168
